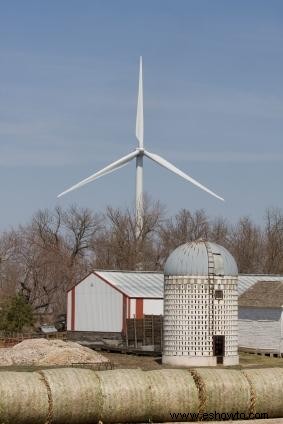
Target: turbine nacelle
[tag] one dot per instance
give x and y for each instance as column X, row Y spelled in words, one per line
column 140, row 150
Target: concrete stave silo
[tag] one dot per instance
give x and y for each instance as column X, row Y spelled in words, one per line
column 200, row 306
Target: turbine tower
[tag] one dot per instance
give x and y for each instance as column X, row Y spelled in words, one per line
column 139, row 154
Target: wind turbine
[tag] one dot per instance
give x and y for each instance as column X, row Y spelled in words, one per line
column 139, row 154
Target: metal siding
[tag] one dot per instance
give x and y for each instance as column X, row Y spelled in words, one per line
column 133, row 308
column 99, row 307
column 69, row 310
column 246, row 281
column 260, row 334
column 266, row 314
column 192, row 259
column 153, row 306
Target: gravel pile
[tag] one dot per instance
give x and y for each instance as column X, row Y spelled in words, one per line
column 42, row 352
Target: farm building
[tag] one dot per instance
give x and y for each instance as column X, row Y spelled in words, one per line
column 200, row 306
column 105, row 299
column 261, row 317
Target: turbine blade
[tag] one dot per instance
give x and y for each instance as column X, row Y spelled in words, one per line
column 107, row 170
column 172, row 168
column 139, row 120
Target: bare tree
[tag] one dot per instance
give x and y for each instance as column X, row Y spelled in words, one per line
column 246, row 245
column 8, row 241
column 273, row 239
column 219, row 231
column 120, row 246
column 81, row 226
column 44, row 259
column 184, row 227
column 48, row 256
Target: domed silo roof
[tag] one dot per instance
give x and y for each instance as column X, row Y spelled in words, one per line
column 193, row 259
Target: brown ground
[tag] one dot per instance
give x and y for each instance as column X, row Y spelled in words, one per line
column 122, row 360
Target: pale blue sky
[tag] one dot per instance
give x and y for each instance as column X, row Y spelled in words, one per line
column 213, row 97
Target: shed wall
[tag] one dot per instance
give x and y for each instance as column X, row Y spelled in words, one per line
column 98, row 306
column 150, row 307
column 260, row 328
column 153, row 306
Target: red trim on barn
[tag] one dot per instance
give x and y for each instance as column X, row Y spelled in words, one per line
column 139, row 308
column 73, row 308
column 68, row 312
column 129, row 308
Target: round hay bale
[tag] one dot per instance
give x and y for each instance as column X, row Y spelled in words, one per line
column 75, row 395
column 126, row 396
column 267, row 386
column 23, row 398
column 223, row 390
column 171, row 391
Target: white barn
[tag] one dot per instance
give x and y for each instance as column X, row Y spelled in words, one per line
column 261, row 318
column 105, row 299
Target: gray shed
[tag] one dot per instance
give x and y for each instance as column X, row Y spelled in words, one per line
column 261, row 318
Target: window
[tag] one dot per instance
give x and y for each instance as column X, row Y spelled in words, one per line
column 218, row 294
column 218, row 264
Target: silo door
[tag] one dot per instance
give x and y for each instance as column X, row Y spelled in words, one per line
column 219, row 348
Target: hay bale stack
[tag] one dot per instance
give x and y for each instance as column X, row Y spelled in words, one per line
column 74, row 394
column 222, row 390
column 23, row 398
column 171, row 391
column 267, row 388
column 126, row 396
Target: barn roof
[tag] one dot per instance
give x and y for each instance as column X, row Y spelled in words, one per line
column 263, row 294
column 135, row 283
column 149, row 284
column 245, row 281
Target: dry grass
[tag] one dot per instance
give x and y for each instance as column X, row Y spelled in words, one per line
column 247, row 360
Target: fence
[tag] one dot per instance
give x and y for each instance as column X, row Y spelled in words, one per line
column 144, row 332
column 9, row 339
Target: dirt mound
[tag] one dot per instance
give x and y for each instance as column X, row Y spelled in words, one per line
column 34, row 352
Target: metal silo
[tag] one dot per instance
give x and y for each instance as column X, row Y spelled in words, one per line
column 200, row 306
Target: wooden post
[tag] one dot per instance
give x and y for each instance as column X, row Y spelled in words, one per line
column 135, row 332
column 127, row 339
column 152, row 330
column 143, row 330
column 161, row 334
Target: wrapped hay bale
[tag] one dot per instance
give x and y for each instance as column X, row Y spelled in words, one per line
column 126, row 396
column 222, row 390
column 171, row 391
column 23, row 398
column 267, row 389
column 75, row 395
